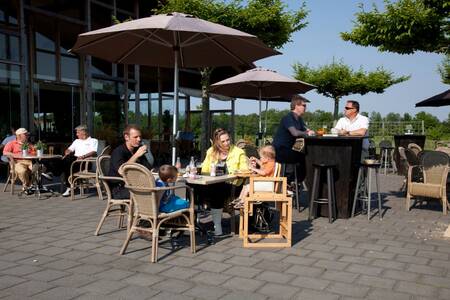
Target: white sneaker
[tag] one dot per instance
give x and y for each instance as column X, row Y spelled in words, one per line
column 66, row 193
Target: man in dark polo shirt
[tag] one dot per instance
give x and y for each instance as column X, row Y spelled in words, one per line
column 292, row 127
column 130, row 152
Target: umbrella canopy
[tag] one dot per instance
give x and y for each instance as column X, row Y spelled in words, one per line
column 441, row 99
column 260, row 83
column 172, row 40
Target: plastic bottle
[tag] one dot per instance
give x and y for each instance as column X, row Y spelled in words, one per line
column 178, row 163
column 212, row 171
column 192, row 168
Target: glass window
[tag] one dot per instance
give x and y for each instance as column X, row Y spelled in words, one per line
column 9, row 12
column 44, row 42
column 14, row 48
column 3, row 52
column 45, row 65
column 9, row 74
column 70, row 69
column 73, row 9
column 101, row 16
column 101, row 67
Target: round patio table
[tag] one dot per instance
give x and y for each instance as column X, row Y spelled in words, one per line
column 36, row 180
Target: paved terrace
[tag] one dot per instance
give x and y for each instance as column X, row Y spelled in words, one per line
column 48, row 251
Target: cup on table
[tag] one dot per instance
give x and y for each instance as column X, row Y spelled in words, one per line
column 334, row 131
column 51, row 149
column 199, row 168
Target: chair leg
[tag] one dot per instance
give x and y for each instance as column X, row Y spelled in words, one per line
column 444, row 204
column 155, row 242
column 355, row 198
column 369, row 192
column 99, row 190
column 7, row 182
column 102, row 220
column 330, row 195
column 129, row 236
column 379, row 196
column 297, row 196
column 313, row 193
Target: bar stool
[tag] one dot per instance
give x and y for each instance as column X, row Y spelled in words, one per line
column 364, row 187
column 283, row 174
column 331, row 200
column 386, row 150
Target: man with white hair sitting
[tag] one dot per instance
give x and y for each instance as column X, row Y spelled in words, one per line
column 83, row 147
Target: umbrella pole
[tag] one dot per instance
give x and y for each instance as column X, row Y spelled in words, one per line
column 265, row 118
column 260, row 125
column 174, row 107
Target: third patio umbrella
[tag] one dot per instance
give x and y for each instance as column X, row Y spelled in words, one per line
column 173, row 40
column 260, row 83
column 441, row 99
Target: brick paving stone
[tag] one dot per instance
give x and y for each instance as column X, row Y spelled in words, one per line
column 219, row 257
column 142, row 279
column 415, row 289
column 87, row 269
column 370, row 246
column 62, row 264
column 433, row 254
column 75, row 254
column 243, row 271
column 340, row 276
column 15, row 256
column 8, row 281
column 173, row 285
column 324, row 255
column 355, row 259
column 243, row 295
column 114, row 274
column 301, row 270
column 270, row 256
column 133, row 292
column 387, row 294
column 311, row 283
column 307, row 294
column 347, row 244
column 21, row 270
column 279, row 291
column 346, row 289
column 75, row 280
column 59, row 293
column 375, row 281
column 307, row 261
column 103, row 286
column 437, row 281
column 444, row 294
column 412, row 259
column 47, row 275
column 243, row 284
column 272, row 265
column 204, row 292
column 331, row 265
column 241, row 252
column 179, row 272
column 275, row 277
column 212, row 266
column 378, row 254
column 364, row 269
column 425, row 270
column 388, row 264
column 6, row 265
column 184, row 261
column 28, row 288
column 210, row 278
column 242, row 261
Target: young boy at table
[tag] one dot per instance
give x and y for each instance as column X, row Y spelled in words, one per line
column 169, row 202
column 266, row 165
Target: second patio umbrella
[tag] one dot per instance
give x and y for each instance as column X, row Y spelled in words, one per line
column 260, row 83
column 173, row 40
column 441, row 99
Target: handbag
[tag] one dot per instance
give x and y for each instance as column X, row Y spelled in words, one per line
column 262, row 218
column 299, row 145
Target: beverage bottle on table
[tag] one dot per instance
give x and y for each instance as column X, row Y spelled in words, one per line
column 212, row 172
column 192, row 167
column 178, row 164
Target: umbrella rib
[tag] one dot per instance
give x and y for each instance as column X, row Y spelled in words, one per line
column 225, row 49
column 98, row 41
column 129, row 52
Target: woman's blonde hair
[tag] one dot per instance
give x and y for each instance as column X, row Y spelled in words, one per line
column 267, row 151
column 217, row 145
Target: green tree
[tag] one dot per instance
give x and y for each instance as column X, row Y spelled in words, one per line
column 405, row 26
column 407, row 117
column 337, row 80
column 375, row 117
column 392, row 117
column 267, row 19
column 444, row 69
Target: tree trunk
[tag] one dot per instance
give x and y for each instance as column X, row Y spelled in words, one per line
column 336, row 108
column 204, row 137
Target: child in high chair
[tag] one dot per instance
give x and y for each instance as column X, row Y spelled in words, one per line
column 169, row 202
column 266, row 168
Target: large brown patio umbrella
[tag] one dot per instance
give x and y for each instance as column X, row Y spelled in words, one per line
column 441, row 99
column 260, row 83
column 173, row 40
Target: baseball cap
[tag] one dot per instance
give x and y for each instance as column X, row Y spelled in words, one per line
column 21, row 131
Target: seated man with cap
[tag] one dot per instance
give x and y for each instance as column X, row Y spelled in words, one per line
column 83, row 147
column 23, row 167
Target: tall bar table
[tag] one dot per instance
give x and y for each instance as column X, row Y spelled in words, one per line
column 345, row 153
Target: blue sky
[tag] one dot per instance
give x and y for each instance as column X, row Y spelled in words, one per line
column 320, row 41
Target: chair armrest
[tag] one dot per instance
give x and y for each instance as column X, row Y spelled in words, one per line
column 111, row 178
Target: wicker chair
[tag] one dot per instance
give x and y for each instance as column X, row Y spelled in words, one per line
column 12, row 175
column 434, row 167
column 145, row 198
column 83, row 171
column 114, row 207
column 415, row 148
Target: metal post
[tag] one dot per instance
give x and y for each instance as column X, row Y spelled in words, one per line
column 175, row 106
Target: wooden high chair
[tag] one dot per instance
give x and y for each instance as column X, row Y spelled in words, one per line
column 283, row 203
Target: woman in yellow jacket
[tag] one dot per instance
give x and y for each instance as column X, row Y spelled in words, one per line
column 234, row 159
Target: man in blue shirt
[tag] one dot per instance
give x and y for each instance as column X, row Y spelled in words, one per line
column 291, row 127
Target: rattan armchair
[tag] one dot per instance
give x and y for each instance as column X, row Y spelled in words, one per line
column 114, row 207
column 83, row 174
column 12, row 175
column 434, row 167
column 145, row 198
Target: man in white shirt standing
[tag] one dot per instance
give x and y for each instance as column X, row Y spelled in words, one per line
column 10, row 137
column 354, row 124
column 83, row 147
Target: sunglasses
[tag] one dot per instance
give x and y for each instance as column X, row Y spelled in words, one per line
column 348, row 108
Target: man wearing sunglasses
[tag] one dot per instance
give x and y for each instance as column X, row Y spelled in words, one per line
column 353, row 123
